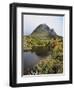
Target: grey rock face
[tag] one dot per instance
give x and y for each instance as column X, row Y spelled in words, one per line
column 43, row 28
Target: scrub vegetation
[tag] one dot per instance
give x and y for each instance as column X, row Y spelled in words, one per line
column 49, row 47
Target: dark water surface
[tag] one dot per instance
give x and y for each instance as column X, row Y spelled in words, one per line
column 29, row 59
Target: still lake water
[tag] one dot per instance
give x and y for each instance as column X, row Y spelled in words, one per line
column 29, row 59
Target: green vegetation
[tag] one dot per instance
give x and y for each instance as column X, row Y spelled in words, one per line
column 48, row 46
column 48, row 67
column 51, row 52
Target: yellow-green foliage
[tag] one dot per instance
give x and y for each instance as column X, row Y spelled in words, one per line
column 28, row 42
column 47, row 65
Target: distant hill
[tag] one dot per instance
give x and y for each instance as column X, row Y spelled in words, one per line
column 44, row 30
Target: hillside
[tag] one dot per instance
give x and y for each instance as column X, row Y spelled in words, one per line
column 43, row 31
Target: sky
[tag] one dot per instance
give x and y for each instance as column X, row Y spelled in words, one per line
column 30, row 22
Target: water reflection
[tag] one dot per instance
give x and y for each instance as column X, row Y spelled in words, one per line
column 31, row 58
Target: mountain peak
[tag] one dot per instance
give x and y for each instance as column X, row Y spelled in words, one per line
column 44, row 30
column 44, row 27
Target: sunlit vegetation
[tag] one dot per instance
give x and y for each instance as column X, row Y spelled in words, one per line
column 51, row 52
column 48, row 66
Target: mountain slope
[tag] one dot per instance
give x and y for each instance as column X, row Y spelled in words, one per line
column 43, row 31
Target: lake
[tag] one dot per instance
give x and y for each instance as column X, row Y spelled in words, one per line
column 29, row 59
